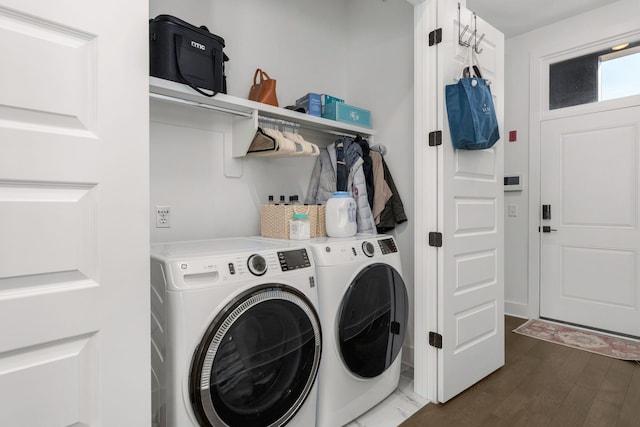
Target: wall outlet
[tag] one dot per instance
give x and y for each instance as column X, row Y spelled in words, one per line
column 163, row 216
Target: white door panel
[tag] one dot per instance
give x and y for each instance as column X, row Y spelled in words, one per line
column 74, row 213
column 470, row 275
column 590, row 177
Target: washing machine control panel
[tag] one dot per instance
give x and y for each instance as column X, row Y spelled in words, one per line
column 202, row 272
column 294, row 259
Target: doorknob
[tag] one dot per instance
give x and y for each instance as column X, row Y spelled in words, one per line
column 547, row 229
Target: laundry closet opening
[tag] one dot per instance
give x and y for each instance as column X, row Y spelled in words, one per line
column 358, row 50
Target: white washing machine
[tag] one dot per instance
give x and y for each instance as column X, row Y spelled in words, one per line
column 363, row 313
column 236, row 337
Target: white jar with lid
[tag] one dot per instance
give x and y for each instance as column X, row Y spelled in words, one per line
column 341, row 215
column 299, row 227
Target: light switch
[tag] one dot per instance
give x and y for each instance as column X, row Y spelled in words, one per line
column 513, row 210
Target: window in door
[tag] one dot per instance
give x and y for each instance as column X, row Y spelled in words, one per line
column 598, row 76
column 619, row 73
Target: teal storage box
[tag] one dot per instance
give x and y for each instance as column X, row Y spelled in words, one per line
column 328, row 99
column 345, row 113
column 311, row 102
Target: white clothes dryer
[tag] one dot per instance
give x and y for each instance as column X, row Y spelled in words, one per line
column 363, row 314
column 236, row 337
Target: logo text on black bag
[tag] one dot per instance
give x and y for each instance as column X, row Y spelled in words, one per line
column 198, row 45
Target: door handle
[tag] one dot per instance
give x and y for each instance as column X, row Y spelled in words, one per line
column 547, row 229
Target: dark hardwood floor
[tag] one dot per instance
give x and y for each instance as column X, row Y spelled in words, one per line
column 544, row 384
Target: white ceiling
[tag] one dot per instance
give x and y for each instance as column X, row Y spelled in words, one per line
column 514, row 17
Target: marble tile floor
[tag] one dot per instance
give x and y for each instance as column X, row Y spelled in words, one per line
column 396, row 408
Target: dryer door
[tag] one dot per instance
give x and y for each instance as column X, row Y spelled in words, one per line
column 373, row 320
column 257, row 361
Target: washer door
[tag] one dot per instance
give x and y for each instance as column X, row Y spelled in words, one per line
column 257, row 361
column 373, row 320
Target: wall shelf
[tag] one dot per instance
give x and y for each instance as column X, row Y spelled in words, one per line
column 247, row 113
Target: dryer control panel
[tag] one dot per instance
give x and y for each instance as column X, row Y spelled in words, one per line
column 343, row 251
column 387, row 246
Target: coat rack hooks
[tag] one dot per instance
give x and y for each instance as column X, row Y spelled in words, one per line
column 474, row 34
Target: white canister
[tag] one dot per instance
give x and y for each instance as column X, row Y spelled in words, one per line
column 341, row 215
column 299, row 227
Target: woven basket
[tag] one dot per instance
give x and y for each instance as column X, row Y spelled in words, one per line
column 274, row 220
column 321, row 224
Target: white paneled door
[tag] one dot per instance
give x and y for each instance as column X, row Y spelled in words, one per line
column 460, row 285
column 470, row 215
column 590, row 178
column 74, row 310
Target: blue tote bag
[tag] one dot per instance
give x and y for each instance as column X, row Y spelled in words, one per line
column 472, row 116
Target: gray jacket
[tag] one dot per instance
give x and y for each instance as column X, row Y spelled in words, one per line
column 323, row 182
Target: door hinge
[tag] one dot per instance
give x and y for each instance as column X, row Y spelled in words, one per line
column 435, row 36
column 435, row 239
column 435, row 340
column 435, row 138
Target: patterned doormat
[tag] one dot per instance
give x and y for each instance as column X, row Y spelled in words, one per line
column 606, row 345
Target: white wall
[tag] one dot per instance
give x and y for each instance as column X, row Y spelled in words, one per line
column 358, row 49
column 192, row 11
column 380, row 76
column 186, row 143
column 521, row 287
column 300, row 44
column 516, row 161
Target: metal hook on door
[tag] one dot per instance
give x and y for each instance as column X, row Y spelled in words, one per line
column 479, row 51
column 461, row 34
column 475, row 32
column 473, row 36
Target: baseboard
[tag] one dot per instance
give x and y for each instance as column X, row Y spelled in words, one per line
column 407, row 355
column 516, row 309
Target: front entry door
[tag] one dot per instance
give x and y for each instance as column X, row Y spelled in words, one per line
column 590, row 177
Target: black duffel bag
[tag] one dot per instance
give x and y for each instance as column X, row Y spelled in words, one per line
column 181, row 52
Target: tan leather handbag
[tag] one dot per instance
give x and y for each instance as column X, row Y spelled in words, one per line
column 264, row 89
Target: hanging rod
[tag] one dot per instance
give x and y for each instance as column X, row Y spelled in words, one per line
column 307, row 127
column 201, row 105
column 278, row 121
